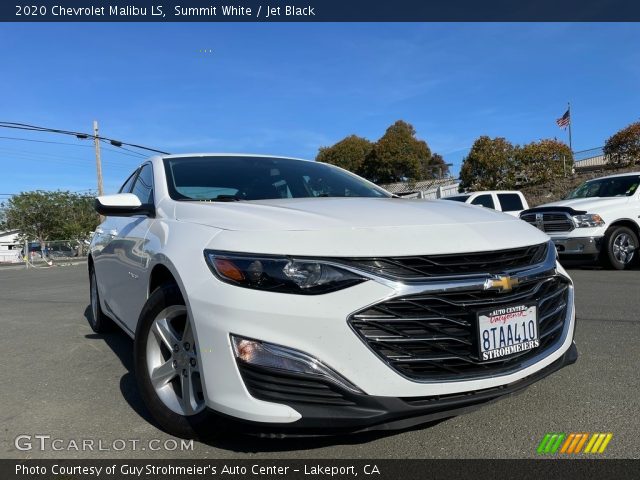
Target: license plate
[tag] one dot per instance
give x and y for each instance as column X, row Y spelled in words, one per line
column 507, row 330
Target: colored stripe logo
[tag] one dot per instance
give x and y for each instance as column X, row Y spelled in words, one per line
column 574, row 443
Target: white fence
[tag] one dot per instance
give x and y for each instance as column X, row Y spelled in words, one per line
column 441, row 191
column 434, row 192
column 595, row 161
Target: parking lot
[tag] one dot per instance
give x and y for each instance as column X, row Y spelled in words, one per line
column 60, row 379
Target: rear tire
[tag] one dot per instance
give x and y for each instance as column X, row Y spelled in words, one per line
column 98, row 321
column 167, row 367
column 621, row 248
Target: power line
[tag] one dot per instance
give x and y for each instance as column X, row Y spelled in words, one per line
column 118, row 151
column 96, row 137
column 44, row 141
column 81, row 135
column 47, row 156
column 131, row 153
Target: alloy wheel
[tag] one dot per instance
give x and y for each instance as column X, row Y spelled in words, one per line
column 623, row 248
column 172, row 361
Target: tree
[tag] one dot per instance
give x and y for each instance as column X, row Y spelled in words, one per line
column 349, row 153
column 488, row 166
column 57, row 215
column 542, row 161
column 437, row 166
column 623, row 147
column 80, row 218
column 398, row 156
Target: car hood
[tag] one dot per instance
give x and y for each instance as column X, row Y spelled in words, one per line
column 357, row 226
column 591, row 205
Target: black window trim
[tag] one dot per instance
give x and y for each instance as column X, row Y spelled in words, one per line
column 153, row 186
column 146, row 209
column 134, row 175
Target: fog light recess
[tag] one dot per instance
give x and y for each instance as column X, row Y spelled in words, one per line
column 268, row 355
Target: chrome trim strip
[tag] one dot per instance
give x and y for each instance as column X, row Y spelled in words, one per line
column 462, row 283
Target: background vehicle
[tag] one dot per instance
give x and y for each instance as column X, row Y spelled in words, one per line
column 507, row 201
column 295, row 295
column 53, row 250
column 599, row 219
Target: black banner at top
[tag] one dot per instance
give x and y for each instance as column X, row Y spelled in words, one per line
column 320, row 11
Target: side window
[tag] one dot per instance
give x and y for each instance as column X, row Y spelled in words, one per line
column 126, row 187
column 484, row 200
column 143, row 188
column 510, row 202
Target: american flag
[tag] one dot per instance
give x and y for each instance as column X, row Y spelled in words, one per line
column 564, row 120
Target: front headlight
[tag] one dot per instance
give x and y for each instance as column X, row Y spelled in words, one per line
column 588, row 220
column 279, row 274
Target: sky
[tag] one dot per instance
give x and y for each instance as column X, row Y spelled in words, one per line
column 288, row 89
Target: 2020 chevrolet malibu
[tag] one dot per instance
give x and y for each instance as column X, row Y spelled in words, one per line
column 293, row 295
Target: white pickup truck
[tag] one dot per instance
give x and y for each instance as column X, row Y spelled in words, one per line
column 507, row 201
column 599, row 219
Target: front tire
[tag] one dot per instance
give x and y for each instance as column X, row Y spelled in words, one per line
column 167, row 366
column 621, row 245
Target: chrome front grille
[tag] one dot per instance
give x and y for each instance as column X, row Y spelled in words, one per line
column 433, row 336
column 549, row 222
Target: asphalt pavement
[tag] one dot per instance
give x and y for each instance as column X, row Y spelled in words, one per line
column 61, row 380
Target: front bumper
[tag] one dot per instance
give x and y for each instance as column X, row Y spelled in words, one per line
column 343, row 411
column 317, row 326
column 578, row 245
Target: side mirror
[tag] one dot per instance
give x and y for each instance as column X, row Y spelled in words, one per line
column 122, row 205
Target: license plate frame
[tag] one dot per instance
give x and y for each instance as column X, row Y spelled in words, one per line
column 505, row 322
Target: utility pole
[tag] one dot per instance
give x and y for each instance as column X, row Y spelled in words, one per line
column 96, row 141
column 570, row 122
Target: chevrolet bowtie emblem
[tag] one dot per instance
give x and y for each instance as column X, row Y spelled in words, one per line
column 502, row 283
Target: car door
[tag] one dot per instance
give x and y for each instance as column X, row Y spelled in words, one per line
column 104, row 252
column 131, row 257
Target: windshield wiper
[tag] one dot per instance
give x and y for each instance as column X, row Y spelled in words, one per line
column 221, row 198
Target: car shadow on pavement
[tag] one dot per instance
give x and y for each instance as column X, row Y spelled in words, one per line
column 240, row 443
column 122, row 345
column 594, row 266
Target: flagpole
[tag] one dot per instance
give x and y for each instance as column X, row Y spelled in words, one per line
column 570, row 122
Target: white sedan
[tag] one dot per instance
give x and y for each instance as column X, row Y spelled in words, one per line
column 290, row 294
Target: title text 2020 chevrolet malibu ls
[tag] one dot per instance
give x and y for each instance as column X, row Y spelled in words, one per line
column 297, row 296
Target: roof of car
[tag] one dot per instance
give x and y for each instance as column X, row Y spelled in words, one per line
column 627, row 174
column 192, row 155
column 491, row 191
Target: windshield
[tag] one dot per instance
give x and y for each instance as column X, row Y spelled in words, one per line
column 607, row 187
column 260, row 178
